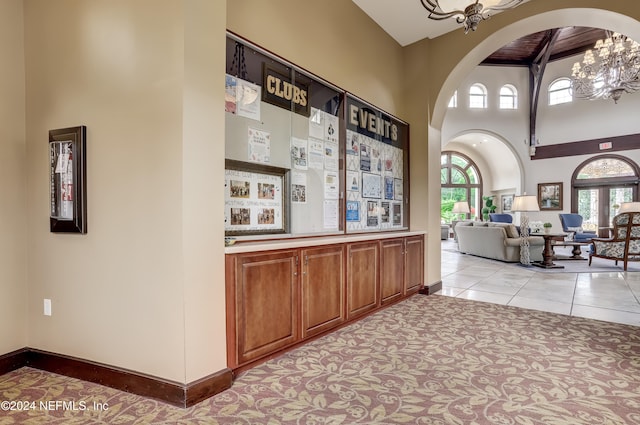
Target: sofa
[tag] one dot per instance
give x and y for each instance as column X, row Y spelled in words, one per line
column 498, row 241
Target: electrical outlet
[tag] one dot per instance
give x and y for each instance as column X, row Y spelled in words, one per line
column 47, row 307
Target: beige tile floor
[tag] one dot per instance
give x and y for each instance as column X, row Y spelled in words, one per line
column 608, row 296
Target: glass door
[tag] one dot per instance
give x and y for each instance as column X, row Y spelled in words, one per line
column 618, row 195
column 598, row 206
column 588, row 202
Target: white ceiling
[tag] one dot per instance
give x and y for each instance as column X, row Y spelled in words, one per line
column 406, row 20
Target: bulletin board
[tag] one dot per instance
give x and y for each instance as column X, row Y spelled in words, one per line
column 342, row 164
column 280, row 116
column 377, row 148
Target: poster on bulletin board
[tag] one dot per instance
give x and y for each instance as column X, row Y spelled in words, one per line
column 254, row 199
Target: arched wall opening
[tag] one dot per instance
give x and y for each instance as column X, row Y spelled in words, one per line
column 488, row 148
column 550, row 19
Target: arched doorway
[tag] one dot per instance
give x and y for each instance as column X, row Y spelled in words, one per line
column 599, row 185
column 450, row 79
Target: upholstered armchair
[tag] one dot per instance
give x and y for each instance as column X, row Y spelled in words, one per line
column 572, row 223
column 624, row 245
column 500, row 218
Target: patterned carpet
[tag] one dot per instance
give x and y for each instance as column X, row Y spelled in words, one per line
column 426, row 360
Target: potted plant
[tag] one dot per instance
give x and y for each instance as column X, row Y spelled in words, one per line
column 547, row 227
column 488, row 207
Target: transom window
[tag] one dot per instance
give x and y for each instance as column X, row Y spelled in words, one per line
column 508, row 97
column 478, row 96
column 560, row 91
column 605, row 168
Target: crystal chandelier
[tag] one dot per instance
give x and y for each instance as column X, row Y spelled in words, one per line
column 470, row 15
column 608, row 70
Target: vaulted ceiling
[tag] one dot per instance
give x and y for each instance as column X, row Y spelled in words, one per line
column 527, row 50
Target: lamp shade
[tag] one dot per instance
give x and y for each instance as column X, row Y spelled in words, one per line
column 525, row 203
column 629, row 207
column 461, row 208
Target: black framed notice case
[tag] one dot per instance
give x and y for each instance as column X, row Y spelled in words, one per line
column 305, row 157
column 67, row 180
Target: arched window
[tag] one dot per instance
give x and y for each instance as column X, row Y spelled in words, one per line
column 599, row 185
column 560, row 91
column 478, row 96
column 508, row 97
column 460, row 180
column 453, row 102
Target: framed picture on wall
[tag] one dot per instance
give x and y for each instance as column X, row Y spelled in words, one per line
column 506, row 202
column 67, row 180
column 550, row 196
column 255, row 199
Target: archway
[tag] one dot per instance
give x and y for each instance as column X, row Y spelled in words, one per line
column 486, row 149
column 546, row 20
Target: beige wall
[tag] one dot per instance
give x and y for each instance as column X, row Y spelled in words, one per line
column 144, row 289
column 333, row 39
column 151, row 264
column 13, row 222
column 203, row 164
column 336, row 41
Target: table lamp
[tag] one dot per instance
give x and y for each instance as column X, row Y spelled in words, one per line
column 629, row 207
column 461, row 207
column 525, row 203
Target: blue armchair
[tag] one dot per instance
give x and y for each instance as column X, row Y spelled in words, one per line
column 572, row 223
column 501, row 218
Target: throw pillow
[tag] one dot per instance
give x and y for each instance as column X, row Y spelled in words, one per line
column 574, row 229
column 512, row 231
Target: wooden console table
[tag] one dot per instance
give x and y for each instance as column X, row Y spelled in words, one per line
column 547, row 254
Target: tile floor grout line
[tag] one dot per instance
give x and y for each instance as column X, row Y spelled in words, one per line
column 534, row 292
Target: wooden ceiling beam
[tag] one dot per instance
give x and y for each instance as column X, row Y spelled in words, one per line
column 536, row 72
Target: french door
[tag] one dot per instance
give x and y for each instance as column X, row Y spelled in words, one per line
column 598, row 205
column 599, row 186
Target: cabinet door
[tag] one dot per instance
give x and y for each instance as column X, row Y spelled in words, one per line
column 322, row 289
column 362, row 278
column 414, row 264
column 391, row 269
column 266, row 303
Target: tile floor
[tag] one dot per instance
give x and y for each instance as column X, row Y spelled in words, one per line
column 610, row 296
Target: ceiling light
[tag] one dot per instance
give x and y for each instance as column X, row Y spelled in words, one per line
column 609, row 70
column 470, row 15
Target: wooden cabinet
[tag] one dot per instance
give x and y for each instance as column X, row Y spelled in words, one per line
column 362, row 278
column 392, row 265
column 414, row 264
column 401, row 267
column 279, row 298
column 322, row 289
column 266, row 303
